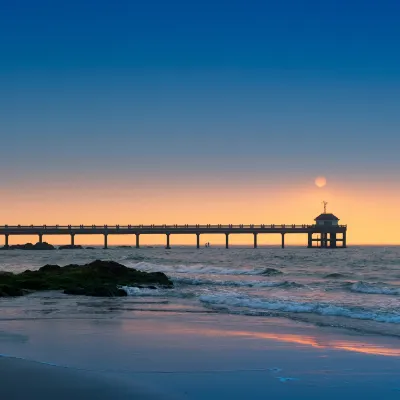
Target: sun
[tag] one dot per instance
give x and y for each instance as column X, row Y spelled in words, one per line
column 320, row 181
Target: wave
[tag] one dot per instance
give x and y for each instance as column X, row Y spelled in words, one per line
column 135, row 291
column 256, row 284
column 159, row 292
column 324, row 309
column 136, row 257
column 374, row 288
column 202, row 269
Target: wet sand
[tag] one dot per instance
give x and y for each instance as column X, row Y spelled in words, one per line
column 22, row 379
column 193, row 356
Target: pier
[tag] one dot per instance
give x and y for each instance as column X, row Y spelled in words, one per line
column 322, row 235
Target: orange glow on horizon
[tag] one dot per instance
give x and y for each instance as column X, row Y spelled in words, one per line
column 371, row 215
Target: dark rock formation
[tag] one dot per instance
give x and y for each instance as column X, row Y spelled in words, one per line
column 271, row 272
column 71, row 247
column 124, row 247
column 30, row 246
column 90, row 248
column 334, row 275
column 99, row 278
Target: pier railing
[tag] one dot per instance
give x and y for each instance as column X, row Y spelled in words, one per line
column 174, row 226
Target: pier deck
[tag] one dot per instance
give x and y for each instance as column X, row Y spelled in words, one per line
column 328, row 234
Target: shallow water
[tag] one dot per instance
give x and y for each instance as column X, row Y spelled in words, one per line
column 356, row 288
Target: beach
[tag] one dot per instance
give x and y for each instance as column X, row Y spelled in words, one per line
column 158, row 344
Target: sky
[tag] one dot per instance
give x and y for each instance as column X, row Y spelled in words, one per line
column 201, row 112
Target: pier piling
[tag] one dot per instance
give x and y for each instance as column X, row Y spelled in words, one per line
column 318, row 235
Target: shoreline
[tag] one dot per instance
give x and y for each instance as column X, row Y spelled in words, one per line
column 197, row 356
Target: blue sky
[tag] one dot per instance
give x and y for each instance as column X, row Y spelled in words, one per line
column 228, row 88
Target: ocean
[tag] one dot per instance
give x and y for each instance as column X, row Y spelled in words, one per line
column 239, row 323
column 357, row 288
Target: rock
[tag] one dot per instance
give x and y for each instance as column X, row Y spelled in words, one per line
column 98, row 278
column 271, row 272
column 10, row 291
column 335, row 275
column 48, row 268
column 30, row 246
column 90, row 248
column 124, row 247
column 71, row 247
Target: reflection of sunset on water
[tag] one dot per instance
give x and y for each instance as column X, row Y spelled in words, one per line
column 357, row 347
column 301, row 340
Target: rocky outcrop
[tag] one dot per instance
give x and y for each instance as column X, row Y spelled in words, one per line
column 99, row 278
column 71, row 247
column 271, row 272
column 30, row 246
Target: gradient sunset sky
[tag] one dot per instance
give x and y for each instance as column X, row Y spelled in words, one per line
column 201, row 112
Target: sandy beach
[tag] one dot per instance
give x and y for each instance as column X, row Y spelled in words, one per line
column 22, row 379
column 193, row 356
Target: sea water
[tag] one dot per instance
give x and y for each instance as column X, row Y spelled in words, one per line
column 357, row 288
column 239, row 322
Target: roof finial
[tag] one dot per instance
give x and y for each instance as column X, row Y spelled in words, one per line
column 325, row 203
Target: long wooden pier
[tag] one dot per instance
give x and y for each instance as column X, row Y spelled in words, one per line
column 317, row 235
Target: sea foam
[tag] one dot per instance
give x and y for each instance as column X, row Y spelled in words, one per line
column 235, row 300
column 374, row 288
column 203, row 269
column 237, row 283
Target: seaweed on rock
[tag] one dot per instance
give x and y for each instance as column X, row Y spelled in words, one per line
column 98, row 278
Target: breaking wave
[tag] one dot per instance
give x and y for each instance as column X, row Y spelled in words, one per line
column 256, row 284
column 135, row 291
column 374, row 288
column 202, row 269
column 324, row 309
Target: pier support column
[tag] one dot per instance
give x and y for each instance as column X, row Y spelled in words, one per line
column 40, row 237
column 198, row 240
column 344, row 243
column 106, row 241
column 332, row 240
column 168, row 246
column 283, row 240
column 227, row 240
column 309, row 240
column 324, row 240
column 6, row 245
column 137, row 240
column 73, row 239
column 255, row 240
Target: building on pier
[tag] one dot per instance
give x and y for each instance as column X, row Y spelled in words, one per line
column 327, row 219
column 326, row 228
